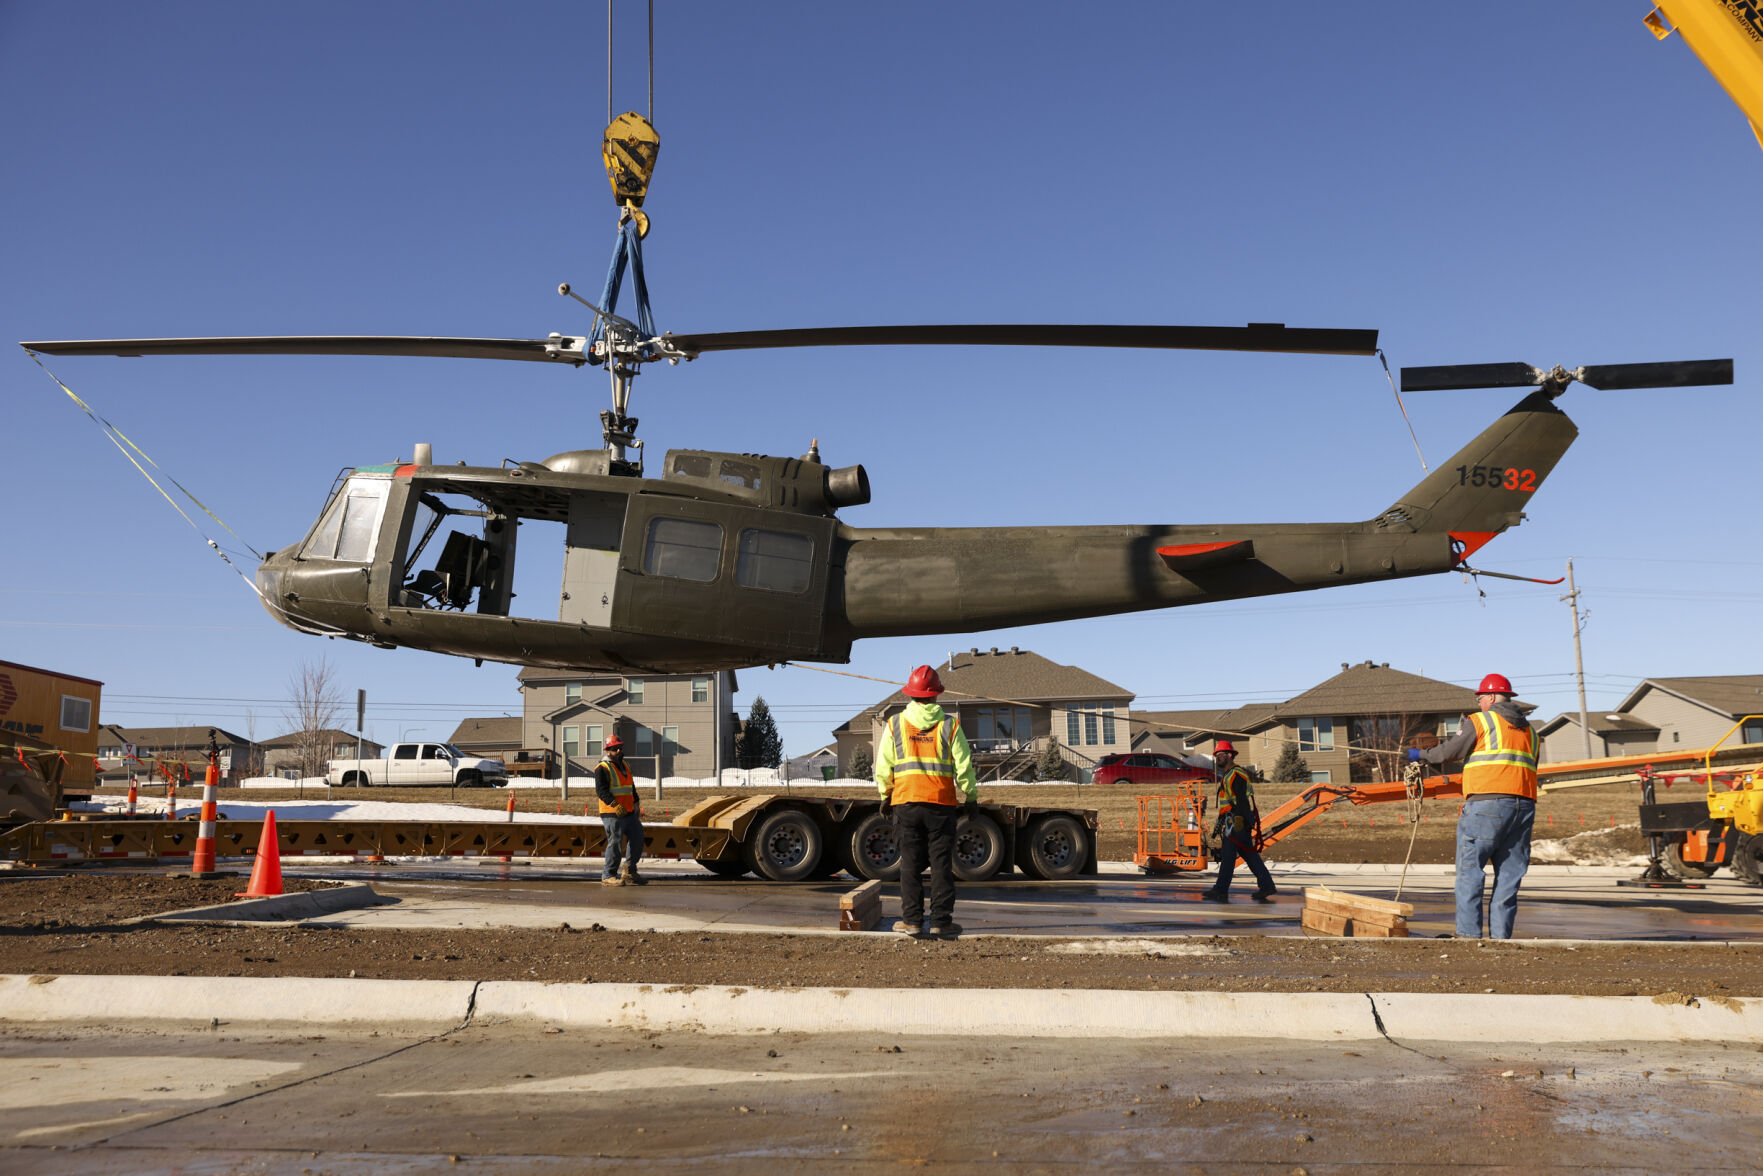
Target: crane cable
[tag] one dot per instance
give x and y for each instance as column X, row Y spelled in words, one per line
column 130, row 450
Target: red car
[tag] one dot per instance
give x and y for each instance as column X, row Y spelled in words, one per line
column 1145, row 768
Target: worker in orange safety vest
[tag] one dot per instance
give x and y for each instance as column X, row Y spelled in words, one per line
column 1499, row 754
column 1239, row 828
column 924, row 771
column 622, row 815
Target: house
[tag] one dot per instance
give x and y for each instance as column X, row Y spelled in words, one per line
column 47, row 710
column 1664, row 714
column 1350, row 728
column 123, row 751
column 820, row 764
column 302, row 753
column 671, row 724
column 1010, row 704
column 498, row 736
column 1169, row 732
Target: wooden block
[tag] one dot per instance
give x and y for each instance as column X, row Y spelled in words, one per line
column 1348, row 910
column 869, row 891
column 1361, row 901
column 1324, row 924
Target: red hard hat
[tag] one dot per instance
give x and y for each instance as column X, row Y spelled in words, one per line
column 1495, row 684
column 1224, row 745
column 615, row 744
column 923, row 683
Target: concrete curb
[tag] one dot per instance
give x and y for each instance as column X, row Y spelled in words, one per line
column 431, row 1005
column 304, row 904
column 436, row 1006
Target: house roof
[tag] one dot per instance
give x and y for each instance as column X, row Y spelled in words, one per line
column 1174, row 724
column 330, row 734
column 1240, row 720
column 1369, row 688
column 182, row 738
column 1730, row 694
column 496, row 729
column 1011, row 675
column 1602, row 724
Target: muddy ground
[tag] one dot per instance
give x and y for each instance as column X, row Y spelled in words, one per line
column 78, row 923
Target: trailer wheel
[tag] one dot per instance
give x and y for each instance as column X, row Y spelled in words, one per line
column 979, row 848
column 786, row 847
column 869, row 849
column 732, row 868
column 1055, row 848
column 1688, row 871
column 1747, row 859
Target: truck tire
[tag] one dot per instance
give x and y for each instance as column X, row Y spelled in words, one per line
column 868, row 848
column 979, row 848
column 1747, row 859
column 1688, row 871
column 785, row 846
column 354, row 779
column 1055, row 848
column 470, row 779
column 732, row 868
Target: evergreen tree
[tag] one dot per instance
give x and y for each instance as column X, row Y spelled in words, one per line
column 862, row 764
column 759, row 744
column 1051, row 765
column 1290, row 767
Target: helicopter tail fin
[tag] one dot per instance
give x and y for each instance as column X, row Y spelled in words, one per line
column 1484, row 487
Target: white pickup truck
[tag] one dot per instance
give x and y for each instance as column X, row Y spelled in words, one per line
column 415, row 764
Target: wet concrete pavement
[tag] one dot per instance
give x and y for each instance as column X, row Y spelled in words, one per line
column 523, row 1100
column 1557, row 902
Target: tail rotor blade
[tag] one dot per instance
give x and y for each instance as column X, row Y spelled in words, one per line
column 1450, row 377
column 1688, row 373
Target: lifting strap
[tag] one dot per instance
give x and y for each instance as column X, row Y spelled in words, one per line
column 628, row 250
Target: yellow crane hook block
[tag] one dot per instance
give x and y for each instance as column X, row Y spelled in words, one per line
column 629, row 149
column 1728, row 36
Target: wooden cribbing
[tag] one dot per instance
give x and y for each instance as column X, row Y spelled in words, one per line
column 861, row 909
column 1333, row 912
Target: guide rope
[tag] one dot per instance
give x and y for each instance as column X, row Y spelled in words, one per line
column 1383, row 359
column 130, row 450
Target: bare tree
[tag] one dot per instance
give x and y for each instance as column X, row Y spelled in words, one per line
column 315, row 708
column 1379, row 742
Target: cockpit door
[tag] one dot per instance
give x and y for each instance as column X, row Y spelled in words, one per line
column 590, row 560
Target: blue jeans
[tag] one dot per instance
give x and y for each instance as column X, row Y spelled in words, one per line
column 624, row 832
column 1493, row 828
column 1240, row 845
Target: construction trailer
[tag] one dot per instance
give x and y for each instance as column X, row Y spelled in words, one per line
column 46, row 711
column 782, row 838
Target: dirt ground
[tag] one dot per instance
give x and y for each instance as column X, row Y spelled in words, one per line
column 78, row 923
column 1345, row 834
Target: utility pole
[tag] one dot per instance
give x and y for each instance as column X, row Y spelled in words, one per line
column 1572, row 599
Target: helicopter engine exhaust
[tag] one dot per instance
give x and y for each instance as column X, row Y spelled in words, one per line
column 847, row 487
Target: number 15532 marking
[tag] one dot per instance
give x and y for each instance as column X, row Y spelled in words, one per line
column 1509, row 478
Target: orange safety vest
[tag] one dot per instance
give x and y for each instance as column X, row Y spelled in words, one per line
column 924, row 762
column 1227, row 798
column 1504, row 761
column 624, row 789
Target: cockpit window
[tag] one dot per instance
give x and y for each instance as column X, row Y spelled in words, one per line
column 351, row 526
column 740, row 473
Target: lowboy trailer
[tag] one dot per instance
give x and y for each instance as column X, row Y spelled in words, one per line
column 783, row 838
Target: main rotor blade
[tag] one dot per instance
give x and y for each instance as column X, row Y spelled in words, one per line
column 1450, row 377
column 1685, row 374
column 1254, row 337
column 557, row 349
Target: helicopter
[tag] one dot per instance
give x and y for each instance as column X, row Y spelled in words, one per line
column 732, row 560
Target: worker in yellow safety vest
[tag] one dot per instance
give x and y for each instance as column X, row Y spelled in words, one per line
column 924, row 771
column 1499, row 754
column 622, row 815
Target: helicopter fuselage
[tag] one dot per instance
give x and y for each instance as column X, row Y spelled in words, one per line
column 734, row 560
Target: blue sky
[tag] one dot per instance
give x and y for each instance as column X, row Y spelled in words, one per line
column 1556, row 188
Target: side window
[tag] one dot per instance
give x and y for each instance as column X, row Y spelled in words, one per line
column 430, row 751
column 740, row 473
column 683, row 549
column 776, row 560
column 76, row 713
column 691, row 465
column 406, row 751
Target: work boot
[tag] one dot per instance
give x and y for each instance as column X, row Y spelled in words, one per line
column 1213, row 896
column 947, row 929
column 632, row 878
column 1264, row 895
column 612, row 880
column 905, row 928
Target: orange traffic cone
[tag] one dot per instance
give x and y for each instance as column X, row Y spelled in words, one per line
column 266, row 867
